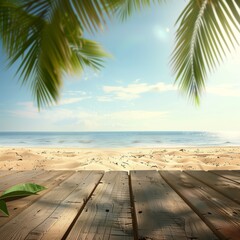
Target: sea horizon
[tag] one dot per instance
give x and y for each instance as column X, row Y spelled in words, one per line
column 118, row 139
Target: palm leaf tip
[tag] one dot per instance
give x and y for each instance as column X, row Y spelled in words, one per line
column 203, row 36
column 3, row 208
column 24, row 189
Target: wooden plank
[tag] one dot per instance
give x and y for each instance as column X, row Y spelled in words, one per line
column 17, row 178
column 48, row 212
column 232, row 175
column 49, row 179
column 7, row 172
column 55, row 226
column 107, row 214
column 161, row 213
column 224, row 186
column 221, row 214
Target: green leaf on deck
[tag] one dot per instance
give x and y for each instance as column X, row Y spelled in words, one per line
column 22, row 190
column 3, row 208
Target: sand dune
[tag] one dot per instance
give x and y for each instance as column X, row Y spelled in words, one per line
column 211, row 158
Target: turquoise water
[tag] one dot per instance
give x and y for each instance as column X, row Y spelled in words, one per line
column 118, row 139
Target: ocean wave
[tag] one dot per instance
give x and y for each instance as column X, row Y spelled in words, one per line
column 119, row 139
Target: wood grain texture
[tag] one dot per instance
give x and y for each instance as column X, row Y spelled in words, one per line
column 56, row 225
column 147, row 205
column 17, row 177
column 232, row 175
column 49, row 179
column 5, row 173
column 224, row 186
column 42, row 215
column 221, row 214
column 161, row 214
column 107, row 214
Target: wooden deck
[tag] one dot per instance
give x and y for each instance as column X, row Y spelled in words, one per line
column 122, row 206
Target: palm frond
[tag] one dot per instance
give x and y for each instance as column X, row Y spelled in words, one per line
column 91, row 14
column 46, row 85
column 125, row 8
column 46, row 38
column 88, row 54
column 206, row 29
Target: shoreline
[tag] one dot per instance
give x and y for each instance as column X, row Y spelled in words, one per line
column 131, row 158
column 121, row 148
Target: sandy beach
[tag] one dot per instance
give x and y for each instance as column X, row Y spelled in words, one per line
column 210, row 158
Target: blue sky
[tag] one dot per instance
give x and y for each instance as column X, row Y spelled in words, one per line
column 134, row 91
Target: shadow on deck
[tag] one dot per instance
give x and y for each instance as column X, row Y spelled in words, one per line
column 119, row 205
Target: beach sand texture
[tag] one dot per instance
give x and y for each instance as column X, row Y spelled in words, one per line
column 210, row 158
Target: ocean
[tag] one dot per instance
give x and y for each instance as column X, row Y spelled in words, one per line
column 119, row 139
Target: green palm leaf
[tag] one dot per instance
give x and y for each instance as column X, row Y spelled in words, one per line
column 46, row 37
column 20, row 190
column 3, row 208
column 125, row 8
column 206, row 29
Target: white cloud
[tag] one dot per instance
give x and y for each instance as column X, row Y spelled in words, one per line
column 137, row 115
column 26, row 104
column 225, row 90
column 133, row 120
column 65, row 101
column 73, row 97
column 133, row 91
column 59, row 119
column 224, row 81
column 75, row 93
column 27, row 110
column 137, row 80
column 104, row 98
column 119, row 121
